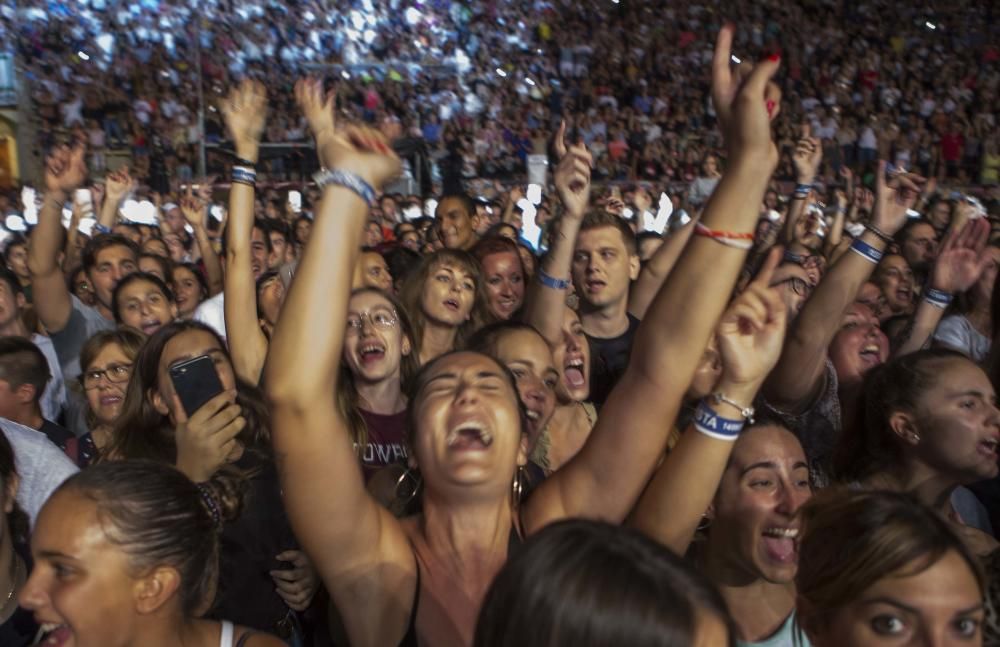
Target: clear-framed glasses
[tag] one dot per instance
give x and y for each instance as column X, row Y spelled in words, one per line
column 115, row 374
column 380, row 319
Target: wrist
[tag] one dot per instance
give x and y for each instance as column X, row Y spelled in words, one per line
column 740, row 391
column 248, row 151
column 805, row 179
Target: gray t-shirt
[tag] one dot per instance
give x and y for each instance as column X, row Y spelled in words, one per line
column 957, row 333
column 54, row 398
column 41, row 466
column 84, row 321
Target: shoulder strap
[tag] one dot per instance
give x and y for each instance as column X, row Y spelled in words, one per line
column 243, row 639
column 226, row 636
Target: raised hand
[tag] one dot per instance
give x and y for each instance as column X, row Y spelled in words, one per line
column 751, row 332
column 745, row 100
column 298, row 584
column 355, row 149
column 66, row 168
column 572, row 174
column 245, row 110
column 193, row 208
column 961, row 259
column 807, row 156
column 893, row 198
column 118, row 185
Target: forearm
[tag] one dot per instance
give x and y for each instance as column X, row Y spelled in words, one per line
column 836, row 234
column 213, row 267
column 795, row 209
column 109, row 213
column 919, row 329
column 657, row 269
column 546, row 303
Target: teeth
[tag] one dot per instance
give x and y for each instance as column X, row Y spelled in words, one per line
column 991, row 443
column 49, row 626
column 532, row 415
column 485, row 437
column 784, row 533
column 576, row 363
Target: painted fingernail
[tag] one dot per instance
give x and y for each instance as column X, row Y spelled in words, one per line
column 770, row 107
column 774, row 58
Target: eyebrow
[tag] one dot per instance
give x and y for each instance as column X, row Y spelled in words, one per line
column 767, row 465
column 896, row 603
column 50, row 554
column 972, row 392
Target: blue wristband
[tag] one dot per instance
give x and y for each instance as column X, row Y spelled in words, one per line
column 708, row 422
column 244, row 175
column 866, row 251
column 938, row 298
column 347, row 180
column 802, row 190
column 550, row 281
column 101, row 229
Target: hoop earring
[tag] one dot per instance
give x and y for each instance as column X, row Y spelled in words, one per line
column 704, row 524
column 407, row 487
column 517, row 486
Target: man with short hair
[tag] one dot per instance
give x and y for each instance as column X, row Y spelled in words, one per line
column 456, row 221
column 918, row 245
column 24, row 373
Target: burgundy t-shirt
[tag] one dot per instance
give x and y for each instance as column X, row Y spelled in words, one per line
column 386, row 441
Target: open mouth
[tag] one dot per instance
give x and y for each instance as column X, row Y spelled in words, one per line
column 594, row 285
column 371, row 352
column 150, row 326
column 781, row 544
column 871, row 354
column 110, row 400
column 573, row 372
column 54, row 634
column 469, row 436
column 989, row 447
column 452, row 304
column 904, row 294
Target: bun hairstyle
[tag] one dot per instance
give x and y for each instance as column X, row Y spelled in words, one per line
column 158, row 517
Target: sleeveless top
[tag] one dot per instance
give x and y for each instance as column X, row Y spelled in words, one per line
column 514, row 543
column 226, row 638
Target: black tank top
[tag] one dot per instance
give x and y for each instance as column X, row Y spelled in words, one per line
column 514, row 544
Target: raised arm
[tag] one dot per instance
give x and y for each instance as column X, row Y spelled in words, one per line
column 244, row 111
column 546, row 301
column 605, row 479
column 656, row 271
column 195, row 212
column 806, row 159
column 358, row 548
column 65, row 170
column 959, row 264
column 117, row 186
column 750, row 335
column 798, row 377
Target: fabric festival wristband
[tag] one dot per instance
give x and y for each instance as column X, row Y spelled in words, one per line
column 938, row 298
column 708, row 422
column 101, row 229
column 866, row 251
column 550, row 281
column 730, row 239
column 244, row 175
column 347, row 180
column 802, row 190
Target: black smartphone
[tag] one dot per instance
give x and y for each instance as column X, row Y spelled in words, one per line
column 196, row 382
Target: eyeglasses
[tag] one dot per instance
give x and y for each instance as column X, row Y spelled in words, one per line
column 115, row 374
column 379, row 319
column 800, row 286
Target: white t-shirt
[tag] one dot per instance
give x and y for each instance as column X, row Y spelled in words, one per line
column 41, row 466
column 212, row 313
column 54, row 398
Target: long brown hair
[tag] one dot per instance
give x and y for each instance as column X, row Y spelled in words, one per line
column 413, row 289
column 347, row 389
column 852, row 539
column 129, row 341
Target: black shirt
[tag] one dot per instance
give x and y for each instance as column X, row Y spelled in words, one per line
column 608, row 361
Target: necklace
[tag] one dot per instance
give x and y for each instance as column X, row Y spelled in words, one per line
column 18, row 566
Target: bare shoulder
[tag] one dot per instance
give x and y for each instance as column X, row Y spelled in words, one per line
column 247, row 637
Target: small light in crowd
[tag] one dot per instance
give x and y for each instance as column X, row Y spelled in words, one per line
column 430, row 208
column 529, row 81
column 489, row 210
column 412, row 16
column 615, row 1
column 534, row 193
column 736, row 59
column 930, row 25
column 15, row 223
column 368, row 36
column 345, row 74
column 627, row 213
column 501, row 72
column 83, row 55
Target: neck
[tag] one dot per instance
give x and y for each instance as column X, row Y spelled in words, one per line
column 758, row 606
column 929, row 485
column 473, row 532
column 437, row 340
column 15, row 328
column 101, row 435
column 384, row 397
column 605, row 322
column 29, row 416
column 165, row 629
column 104, row 311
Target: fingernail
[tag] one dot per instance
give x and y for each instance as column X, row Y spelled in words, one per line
column 774, row 58
column 770, row 107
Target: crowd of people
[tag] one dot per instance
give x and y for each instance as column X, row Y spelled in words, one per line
column 724, row 376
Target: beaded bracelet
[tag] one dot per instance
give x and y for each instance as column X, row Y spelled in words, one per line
column 881, row 235
column 209, row 500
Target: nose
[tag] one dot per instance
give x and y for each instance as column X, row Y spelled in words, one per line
column 467, row 394
column 506, row 289
column 791, row 498
column 33, row 595
column 534, row 390
column 572, row 344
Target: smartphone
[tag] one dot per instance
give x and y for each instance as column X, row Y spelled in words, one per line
column 295, row 199
column 196, row 382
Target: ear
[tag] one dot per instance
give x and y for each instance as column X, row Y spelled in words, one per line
column 155, row 589
column 633, row 266
column 25, row 393
column 710, row 512
column 406, row 348
column 155, row 399
column 173, row 310
column 20, row 300
column 905, row 428
column 10, row 493
column 522, row 450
